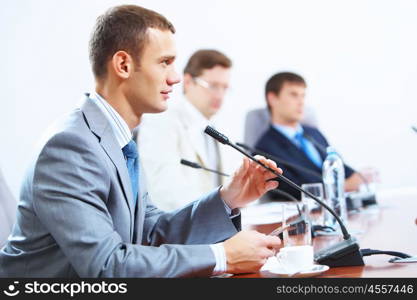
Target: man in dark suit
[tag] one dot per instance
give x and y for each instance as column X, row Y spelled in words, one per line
column 286, row 139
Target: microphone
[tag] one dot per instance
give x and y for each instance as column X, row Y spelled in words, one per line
column 224, row 140
column 414, row 128
column 197, row 166
column 344, row 253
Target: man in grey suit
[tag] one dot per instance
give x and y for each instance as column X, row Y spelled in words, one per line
column 84, row 209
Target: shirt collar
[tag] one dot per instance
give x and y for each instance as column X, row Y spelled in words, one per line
column 118, row 124
column 289, row 132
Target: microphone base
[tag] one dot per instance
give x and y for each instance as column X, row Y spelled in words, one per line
column 353, row 203
column 343, row 254
column 356, row 200
column 369, row 200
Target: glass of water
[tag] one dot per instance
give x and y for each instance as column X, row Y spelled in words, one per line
column 317, row 212
column 295, row 218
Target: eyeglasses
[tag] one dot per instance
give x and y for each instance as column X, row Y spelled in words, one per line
column 212, row 87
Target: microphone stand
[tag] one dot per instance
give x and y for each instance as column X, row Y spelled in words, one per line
column 344, row 253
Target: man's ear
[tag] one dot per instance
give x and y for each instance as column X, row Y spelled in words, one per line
column 271, row 98
column 187, row 80
column 122, row 64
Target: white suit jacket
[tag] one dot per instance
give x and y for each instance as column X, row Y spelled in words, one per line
column 163, row 140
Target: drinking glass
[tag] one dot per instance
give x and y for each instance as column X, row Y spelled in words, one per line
column 316, row 210
column 299, row 233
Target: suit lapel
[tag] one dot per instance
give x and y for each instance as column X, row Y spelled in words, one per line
column 102, row 129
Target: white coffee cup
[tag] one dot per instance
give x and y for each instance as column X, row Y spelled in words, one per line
column 296, row 258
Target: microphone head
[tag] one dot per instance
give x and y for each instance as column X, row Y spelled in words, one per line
column 217, row 135
column 190, row 164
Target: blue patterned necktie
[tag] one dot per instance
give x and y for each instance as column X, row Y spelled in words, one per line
column 130, row 151
column 303, row 146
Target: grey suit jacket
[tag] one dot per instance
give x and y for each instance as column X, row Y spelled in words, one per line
column 8, row 207
column 75, row 215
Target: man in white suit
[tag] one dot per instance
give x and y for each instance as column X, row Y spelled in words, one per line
column 172, row 185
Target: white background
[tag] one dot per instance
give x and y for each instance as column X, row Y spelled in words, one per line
column 359, row 59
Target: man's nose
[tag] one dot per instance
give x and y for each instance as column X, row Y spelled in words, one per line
column 173, row 78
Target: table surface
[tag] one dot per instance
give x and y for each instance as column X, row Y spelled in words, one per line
column 389, row 225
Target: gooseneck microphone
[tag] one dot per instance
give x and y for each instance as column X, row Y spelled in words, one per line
column 224, row 140
column 344, row 253
column 197, row 166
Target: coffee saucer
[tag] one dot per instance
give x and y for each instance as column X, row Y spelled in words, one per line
column 272, row 266
column 313, row 271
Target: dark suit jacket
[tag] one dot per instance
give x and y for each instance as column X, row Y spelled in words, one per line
column 279, row 146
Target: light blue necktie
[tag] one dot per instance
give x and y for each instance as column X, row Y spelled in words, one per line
column 130, row 151
column 303, row 146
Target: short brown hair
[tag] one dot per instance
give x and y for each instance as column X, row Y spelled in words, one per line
column 275, row 83
column 122, row 28
column 206, row 59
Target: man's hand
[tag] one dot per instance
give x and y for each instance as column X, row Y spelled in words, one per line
column 249, row 182
column 247, row 251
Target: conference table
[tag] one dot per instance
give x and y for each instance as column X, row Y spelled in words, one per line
column 388, row 225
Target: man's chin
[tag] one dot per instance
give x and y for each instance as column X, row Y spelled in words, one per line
column 157, row 110
column 212, row 112
column 299, row 118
